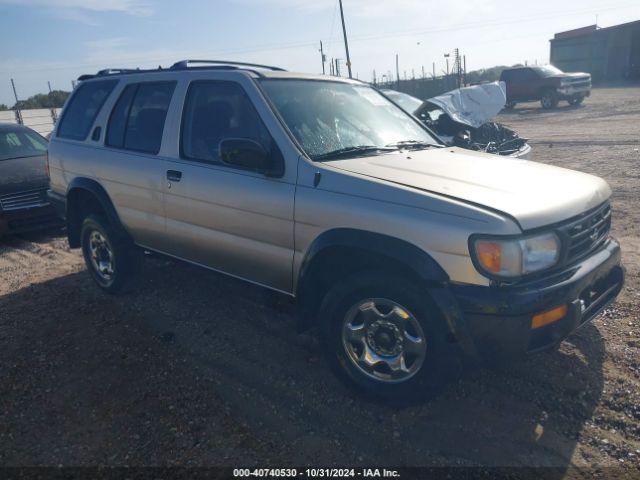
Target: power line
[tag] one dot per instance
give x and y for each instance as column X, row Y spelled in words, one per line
column 357, row 38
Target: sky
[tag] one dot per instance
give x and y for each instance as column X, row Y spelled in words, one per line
column 57, row 40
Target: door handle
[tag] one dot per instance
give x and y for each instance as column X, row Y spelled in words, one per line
column 174, row 175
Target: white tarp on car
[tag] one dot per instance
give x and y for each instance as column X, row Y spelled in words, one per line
column 474, row 105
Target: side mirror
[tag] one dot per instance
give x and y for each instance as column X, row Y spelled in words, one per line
column 250, row 155
column 244, row 153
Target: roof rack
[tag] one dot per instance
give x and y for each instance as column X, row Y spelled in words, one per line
column 183, row 64
column 116, row 71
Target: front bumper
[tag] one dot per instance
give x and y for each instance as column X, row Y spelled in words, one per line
column 498, row 318
column 28, row 219
column 570, row 91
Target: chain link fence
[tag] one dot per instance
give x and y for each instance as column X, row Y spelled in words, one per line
column 42, row 120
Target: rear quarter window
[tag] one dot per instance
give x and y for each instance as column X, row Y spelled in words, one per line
column 138, row 118
column 83, row 108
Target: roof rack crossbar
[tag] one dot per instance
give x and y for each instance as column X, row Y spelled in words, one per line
column 183, row 64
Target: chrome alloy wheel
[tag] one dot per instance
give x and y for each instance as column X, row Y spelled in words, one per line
column 101, row 256
column 383, row 340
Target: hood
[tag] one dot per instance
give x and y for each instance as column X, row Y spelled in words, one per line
column 20, row 174
column 573, row 75
column 534, row 194
column 474, row 105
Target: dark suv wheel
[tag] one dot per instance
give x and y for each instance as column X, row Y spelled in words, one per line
column 549, row 99
column 576, row 100
column 111, row 260
column 384, row 335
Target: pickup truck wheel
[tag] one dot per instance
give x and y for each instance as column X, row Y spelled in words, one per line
column 112, row 261
column 577, row 100
column 549, row 99
column 384, row 335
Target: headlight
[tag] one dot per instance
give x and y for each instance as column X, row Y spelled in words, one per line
column 515, row 257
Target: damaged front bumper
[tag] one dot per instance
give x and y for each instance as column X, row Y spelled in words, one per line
column 499, row 319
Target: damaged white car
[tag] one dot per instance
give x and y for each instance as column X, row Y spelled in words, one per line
column 462, row 118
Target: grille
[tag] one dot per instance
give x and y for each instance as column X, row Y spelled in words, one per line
column 587, row 232
column 21, row 200
column 580, row 82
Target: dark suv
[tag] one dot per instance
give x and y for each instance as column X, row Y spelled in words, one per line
column 545, row 83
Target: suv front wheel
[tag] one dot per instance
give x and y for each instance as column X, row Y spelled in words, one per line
column 111, row 260
column 384, row 335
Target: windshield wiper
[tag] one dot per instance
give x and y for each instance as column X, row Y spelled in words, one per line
column 416, row 144
column 352, row 151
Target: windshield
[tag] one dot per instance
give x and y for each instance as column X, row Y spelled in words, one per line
column 333, row 119
column 548, row 70
column 19, row 143
column 409, row 103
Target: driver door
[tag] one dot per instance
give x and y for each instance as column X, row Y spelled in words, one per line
column 228, row 218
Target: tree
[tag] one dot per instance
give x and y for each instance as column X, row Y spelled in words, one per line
column 3, row 107
column 54, row 99
column 486, row 74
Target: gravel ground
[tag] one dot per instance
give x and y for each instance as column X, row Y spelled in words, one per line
column 193, row 368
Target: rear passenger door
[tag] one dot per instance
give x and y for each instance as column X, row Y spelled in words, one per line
column 131, row 166
column 228, row 218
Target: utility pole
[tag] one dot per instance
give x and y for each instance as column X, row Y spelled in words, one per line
column 434, row 70
column 423, row 75
column 346, row 44
column 397, row 72
column 322, row 57
column 49, row 85
column 374, row 76
column 464, row 70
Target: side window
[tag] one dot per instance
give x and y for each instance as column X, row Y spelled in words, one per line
column 213, row 111
column 118, row 119
column 518, row 75
column 137, row 120
column 83, row 109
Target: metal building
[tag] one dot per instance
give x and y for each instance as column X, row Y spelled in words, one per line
column 611, row 53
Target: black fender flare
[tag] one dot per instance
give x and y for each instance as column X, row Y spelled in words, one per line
column 434, row 277
column 396, row 249
column 101, row 196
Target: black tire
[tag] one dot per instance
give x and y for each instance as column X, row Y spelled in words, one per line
column 510, row 105
column 577, row 100
column 341, row 299
column 549, row 99
column 118, row 253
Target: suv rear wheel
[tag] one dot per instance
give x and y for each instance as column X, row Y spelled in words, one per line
column 384, row 335
column 549, row 99
column 112, row 261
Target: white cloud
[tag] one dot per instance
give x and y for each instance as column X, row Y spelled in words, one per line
column 130, row 7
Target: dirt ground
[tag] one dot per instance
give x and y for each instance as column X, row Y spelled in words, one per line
column 194, row 368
